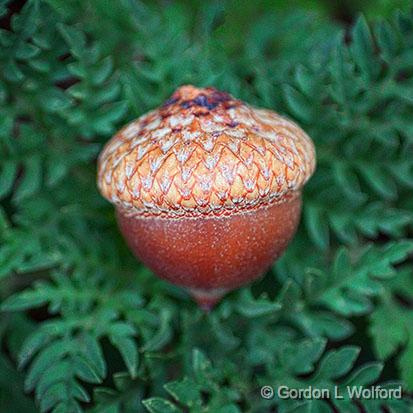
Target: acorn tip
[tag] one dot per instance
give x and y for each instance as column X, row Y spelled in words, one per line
column 207, row 300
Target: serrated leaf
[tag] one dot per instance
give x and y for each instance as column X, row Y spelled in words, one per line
column 365, row 375
column 405, row 363
column 53, row 396
column 24, row 301
column 317, row 225
column 85, row 370
column 49, row 355
column 336, row 363
column 348, row 180
column 161, row 337
column 32, row 344
column 184, row 391
column 378, row 180
column 363, row 49
column 103, row 71
column 388, row 333
column 58, row 372
column 129, row 351
column 341, row 265
column 200, row 363
column 298, row 103
column 7, row 176
column 92, row 351
column 302, row 357
column 250, row 307
column 159, row 405
column 387, row 40
column 31, row 179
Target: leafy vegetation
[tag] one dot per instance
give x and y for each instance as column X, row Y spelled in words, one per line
column 85, row 327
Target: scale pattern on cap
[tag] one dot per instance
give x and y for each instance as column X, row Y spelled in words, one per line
column 204, row 152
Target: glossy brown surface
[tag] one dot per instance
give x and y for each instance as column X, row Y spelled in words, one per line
column 212, row 255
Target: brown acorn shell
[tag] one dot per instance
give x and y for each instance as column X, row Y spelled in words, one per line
column 214, row 254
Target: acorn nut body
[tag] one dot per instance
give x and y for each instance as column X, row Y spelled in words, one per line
column 207, row 189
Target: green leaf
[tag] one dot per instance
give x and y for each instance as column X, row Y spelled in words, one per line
column 184, row 391
column 378, row 180
column 405, row 363
column 56, row 373
column 337, row 363
column 92, row 351
column 363, row 50
column 85, row 371
column 158, row 405
column 49, row 355
column 31, row 180
column 200, row 363
column 387, row 333
column 33, row 343
column 250, row 307
column 341, row 265
column 302, row 357
column 348, row 180
column 128, row 349
column 387, row 40
column 75, row 39
column 24, row 301
column 161, row 337
column 7, row 176
column 298, row 103
column 317, row 226
column 365, row 375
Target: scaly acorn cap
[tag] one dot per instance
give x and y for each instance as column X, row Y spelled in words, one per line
column 204, row 152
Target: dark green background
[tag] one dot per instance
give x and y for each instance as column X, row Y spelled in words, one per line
column 84, row 326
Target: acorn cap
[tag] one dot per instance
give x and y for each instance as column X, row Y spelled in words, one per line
column 204, row 152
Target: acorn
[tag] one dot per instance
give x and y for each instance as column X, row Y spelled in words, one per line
column 207, row 189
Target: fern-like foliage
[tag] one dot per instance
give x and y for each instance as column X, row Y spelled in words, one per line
column 225, row 391
column 85, row 327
